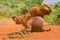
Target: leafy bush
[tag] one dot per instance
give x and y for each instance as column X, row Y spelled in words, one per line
column 11, row 8
column 54, row 17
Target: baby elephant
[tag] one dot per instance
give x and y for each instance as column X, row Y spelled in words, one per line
column 32, row 24
column 36, row 24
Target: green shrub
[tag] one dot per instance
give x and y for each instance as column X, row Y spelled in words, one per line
column 54, row 17
column 11, row 8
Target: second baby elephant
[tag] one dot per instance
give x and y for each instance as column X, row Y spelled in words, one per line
column 36, row 24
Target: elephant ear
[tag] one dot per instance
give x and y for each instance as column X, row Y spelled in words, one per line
column 47, row 8
column 16, row 19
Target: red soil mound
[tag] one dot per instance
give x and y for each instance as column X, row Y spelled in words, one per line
column 9, row 27
column 50, row 35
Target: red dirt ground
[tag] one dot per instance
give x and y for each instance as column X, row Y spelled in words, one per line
column 8, row 27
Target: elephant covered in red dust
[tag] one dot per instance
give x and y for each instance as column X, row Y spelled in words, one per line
column 42, row 10
column 36, row 24
column 33, row 20
column 33, row 24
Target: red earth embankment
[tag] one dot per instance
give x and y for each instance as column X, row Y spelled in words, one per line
column 9, row 27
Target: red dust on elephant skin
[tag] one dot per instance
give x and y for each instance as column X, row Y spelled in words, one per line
column 42, row 10
column 36, row 24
